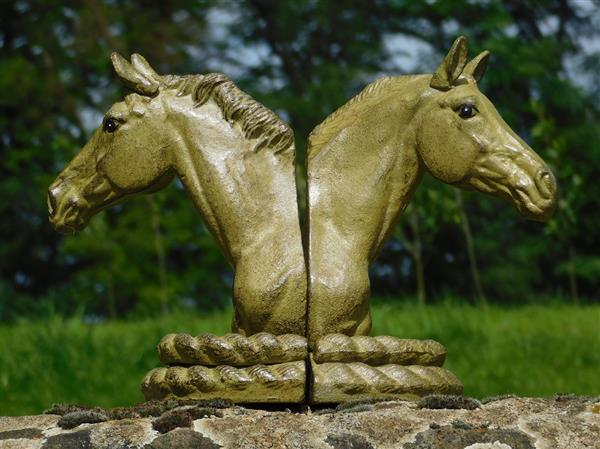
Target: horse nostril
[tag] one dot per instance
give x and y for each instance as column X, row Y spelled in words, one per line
column 546, row 183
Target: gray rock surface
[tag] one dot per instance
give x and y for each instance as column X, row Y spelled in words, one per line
column 503, row 423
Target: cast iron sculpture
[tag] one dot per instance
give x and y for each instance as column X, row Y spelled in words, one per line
column 236, row 159
column 365, row 160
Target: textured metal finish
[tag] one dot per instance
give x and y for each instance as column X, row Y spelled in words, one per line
column 341, row 382
column 365, row 160
column 231, row 349
column 379, row 350
column 281, row 383
column 235, row 158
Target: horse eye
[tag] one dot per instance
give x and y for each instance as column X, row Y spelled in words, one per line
column 110, row 125
column 466, row 110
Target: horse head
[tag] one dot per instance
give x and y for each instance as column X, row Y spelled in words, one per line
column 127, row 154
column 462, row 140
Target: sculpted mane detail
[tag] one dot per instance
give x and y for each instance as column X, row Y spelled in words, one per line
column 364, row 163
column 338, row 120
column 366, row 160
column 235, row 159
column 256, row 121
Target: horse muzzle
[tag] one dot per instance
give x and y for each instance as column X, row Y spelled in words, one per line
column 66, row 210
column 539, row 201
column 534, row 196
column 525, row 182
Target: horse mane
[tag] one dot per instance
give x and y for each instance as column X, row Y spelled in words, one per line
column 335, row 122
column 256, row 121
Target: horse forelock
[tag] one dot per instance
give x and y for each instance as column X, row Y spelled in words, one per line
column 256, row 121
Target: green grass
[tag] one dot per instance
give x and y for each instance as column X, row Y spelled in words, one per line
column 530, row 350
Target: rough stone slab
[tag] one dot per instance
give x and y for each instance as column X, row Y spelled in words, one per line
column 72, row 440
column 123, row 433
column 511, row 423
column 380, row 350
column 280, row 383
column 43, row 422
column 183, row 439
column 342, row 382
column 231, row 349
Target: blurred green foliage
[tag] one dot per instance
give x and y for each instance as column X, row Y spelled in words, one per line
column 494, row 351
column 303, row 59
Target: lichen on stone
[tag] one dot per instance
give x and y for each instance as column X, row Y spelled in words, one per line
column 183, row 417
column 348, row 441
column 500, row 397
column 460, row 424
column 444, row 401
column 73, row 440
column 182, row 439
column 29, row 433
column 74, row 419
column 360, row 405
column 449, row 437
column 143, row 410
column 63, row 409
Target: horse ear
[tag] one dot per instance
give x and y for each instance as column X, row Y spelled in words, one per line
column 141, row 65
column 476, row 68
column 452, row 65
column 133, row 78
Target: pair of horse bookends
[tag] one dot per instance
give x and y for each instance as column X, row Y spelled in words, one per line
column 301, row 314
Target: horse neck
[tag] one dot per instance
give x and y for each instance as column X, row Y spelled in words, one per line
column 362, row 178
column 246, row 198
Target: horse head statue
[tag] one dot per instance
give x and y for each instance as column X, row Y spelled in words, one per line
column 366, row 159
column 234, row 157
column 462, row 140
column 125, row 155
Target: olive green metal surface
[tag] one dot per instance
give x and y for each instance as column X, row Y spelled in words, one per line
column 235, row 158
column 280, row 383
column 231, row 349
column 366, row 159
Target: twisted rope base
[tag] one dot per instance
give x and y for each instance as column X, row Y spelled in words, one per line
column 280, row 383
column 231, row 349
column 272, row 369
column 380, row 350
column 341, row 382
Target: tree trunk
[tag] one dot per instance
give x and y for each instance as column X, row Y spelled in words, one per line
column 160, row 255
column 415, row 249
column 466, row 229
column 572, row 276
column 417, row 253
